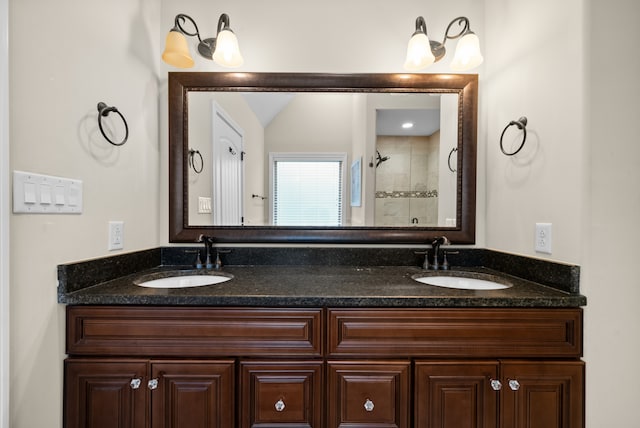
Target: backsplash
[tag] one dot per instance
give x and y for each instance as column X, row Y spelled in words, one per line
column 76, row 276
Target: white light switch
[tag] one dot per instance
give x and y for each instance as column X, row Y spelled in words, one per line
column 204, row 205
column 29, row 193
column 46, row 194
column 59, row 192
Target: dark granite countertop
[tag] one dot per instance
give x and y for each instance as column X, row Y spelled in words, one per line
column 322, row 286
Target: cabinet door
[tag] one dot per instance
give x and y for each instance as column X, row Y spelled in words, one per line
column 192, row 394
column 281, row 394
column 105, row 393
column 456, row 394
column 542, row 394
column 368, row 394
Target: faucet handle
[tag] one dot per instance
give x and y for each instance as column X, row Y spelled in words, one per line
column 425, row 253
column 218, row 263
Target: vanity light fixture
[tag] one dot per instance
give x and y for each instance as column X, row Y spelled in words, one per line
column 223, row 49
column 422, row 52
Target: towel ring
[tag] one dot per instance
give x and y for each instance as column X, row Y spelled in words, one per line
column 103, row 111
column 455, row 149
column 192, row 160
column 521, row 124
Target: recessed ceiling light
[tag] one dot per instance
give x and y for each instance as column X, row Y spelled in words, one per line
column 407, row 125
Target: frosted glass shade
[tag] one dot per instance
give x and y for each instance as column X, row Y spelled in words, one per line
column 419, row 53
column 227, row 51
column 176, row 50
column 467, row 54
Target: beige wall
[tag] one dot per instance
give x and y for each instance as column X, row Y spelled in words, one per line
column 65, row 57
column 554, row 63
column 612, row 207
column 578, row 170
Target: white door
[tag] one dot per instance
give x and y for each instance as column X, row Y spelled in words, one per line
column 227, row 169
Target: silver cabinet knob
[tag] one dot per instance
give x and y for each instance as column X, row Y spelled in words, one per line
column 279, row 405
column 496, row 385
column 135, row 383
column 153, row 384
column 368, row 405
column 514, row 384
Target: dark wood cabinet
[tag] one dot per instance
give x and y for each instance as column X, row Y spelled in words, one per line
column 519, row 394
column 195, row 367
column 460, row 394
column 116, row 393
column 548, row 394
column 281, row 394
column 368, row 394
column 192, row 394
column 105, row 393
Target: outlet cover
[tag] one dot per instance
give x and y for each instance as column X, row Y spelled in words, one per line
column 116, row 235
column 543, row 238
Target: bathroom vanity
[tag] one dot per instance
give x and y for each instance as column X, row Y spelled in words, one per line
column 323, row 346
column 323, row 367
column 323, row 337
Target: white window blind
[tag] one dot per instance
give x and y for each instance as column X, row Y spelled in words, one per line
column 307, row 191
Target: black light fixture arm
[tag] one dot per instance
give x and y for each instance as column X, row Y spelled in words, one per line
column 223, row 23
column 462, row 21
column 421, row 25
column 207, row 46
column 437, row 48
column 178, row 25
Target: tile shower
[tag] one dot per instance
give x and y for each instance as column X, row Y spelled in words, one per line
column 407, row 182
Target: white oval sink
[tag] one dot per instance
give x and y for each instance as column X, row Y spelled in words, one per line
column 462, row 283
column 183, row 281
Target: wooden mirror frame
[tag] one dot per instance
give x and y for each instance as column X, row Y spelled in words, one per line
column 181, row 83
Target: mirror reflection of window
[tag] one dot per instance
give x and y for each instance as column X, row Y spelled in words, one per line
column 307, row 189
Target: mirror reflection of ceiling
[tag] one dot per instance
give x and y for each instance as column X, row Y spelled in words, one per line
column 425, row 122
column 267, row 105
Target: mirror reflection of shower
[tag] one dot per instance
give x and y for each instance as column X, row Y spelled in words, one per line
column 380, row 159
column 407, row 166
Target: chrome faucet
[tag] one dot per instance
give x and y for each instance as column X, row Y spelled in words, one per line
column 442, row 240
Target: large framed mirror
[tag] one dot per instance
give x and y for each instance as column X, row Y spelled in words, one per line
column 322, row 158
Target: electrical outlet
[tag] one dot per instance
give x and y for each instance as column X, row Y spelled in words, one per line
column 116, row 235
column 543, row 238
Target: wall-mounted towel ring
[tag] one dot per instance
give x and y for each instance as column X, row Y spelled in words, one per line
column 521, row 124
column 193, row 163
column 455, row 149
column 103, row 111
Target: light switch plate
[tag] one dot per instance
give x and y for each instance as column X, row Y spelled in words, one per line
column 46, row 194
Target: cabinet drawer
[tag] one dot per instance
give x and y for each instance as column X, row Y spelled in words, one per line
column 193, row 332
column 281, row 394
column 467, row 333
column 368, row 394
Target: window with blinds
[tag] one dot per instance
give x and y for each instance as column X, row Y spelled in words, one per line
column 307, row 190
